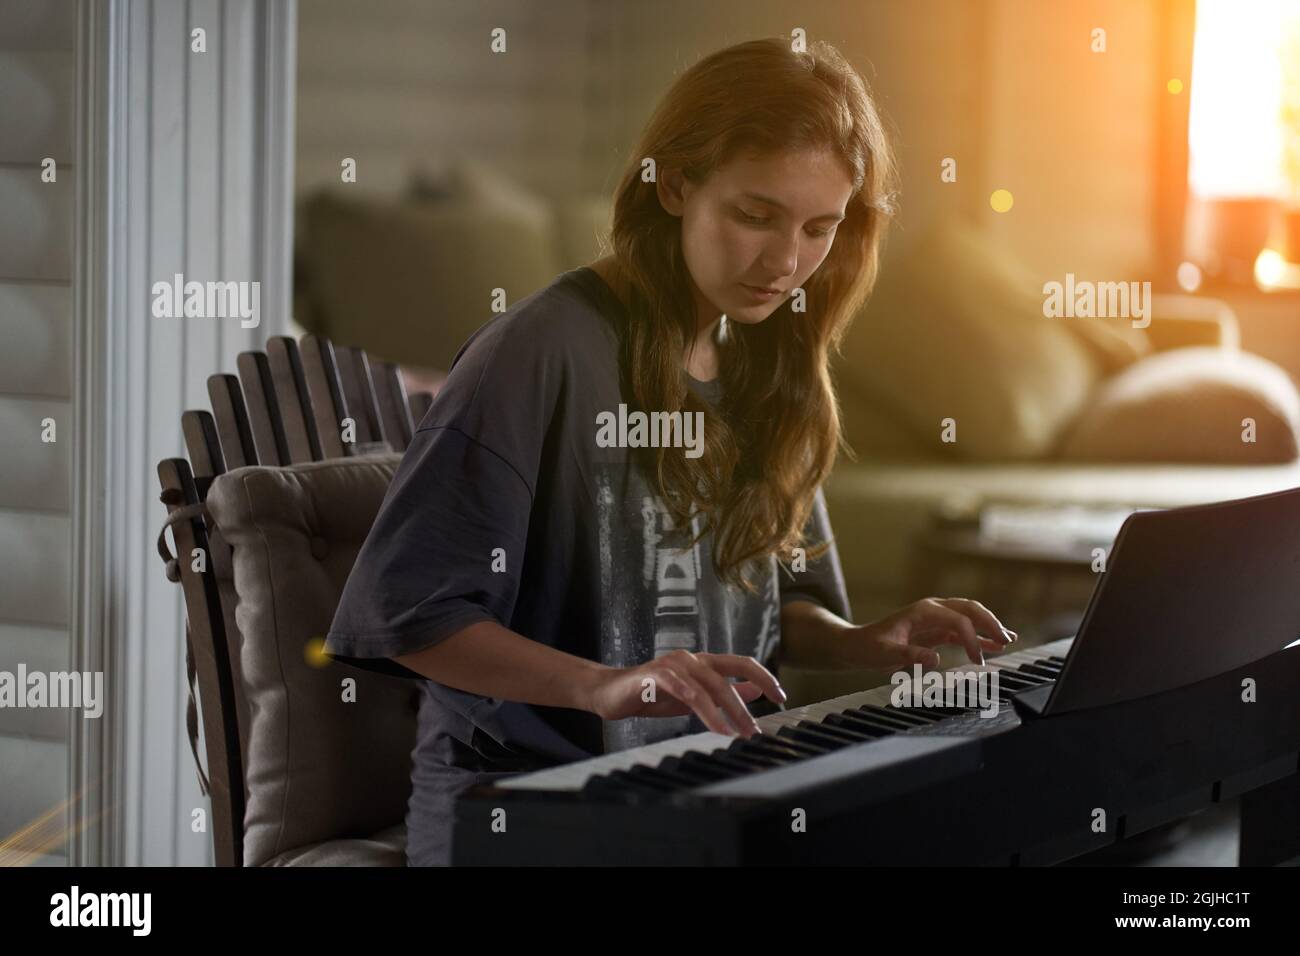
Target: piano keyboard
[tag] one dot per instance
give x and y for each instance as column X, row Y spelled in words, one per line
column 788, row 736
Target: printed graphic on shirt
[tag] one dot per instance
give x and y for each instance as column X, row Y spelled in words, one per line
column 660, row 593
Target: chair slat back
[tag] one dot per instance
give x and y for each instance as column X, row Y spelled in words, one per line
column 359, row 392
column 394, row 412
column 290, row 385
column 328, row 407
column 234, row 431
column 201, row 441
column 263, row 409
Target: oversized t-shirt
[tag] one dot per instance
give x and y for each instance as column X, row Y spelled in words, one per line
column 506, row 507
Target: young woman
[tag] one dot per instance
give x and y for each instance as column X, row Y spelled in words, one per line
column 570, row 582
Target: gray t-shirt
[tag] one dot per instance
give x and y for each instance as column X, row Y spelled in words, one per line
column 506, row 507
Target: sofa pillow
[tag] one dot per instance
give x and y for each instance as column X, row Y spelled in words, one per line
column 409, row 280
column 468, row 179
column 317, row 767
column 579, row 223
column 1187, row 405
column 956, row 330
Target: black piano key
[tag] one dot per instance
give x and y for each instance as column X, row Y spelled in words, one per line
column 1006, row 679
column 638, row 783
column 678, row 775
column 814, row 748
column 1012, row 669
column 653, row 775
column 603, row 786
column 1025, row 682
column 857, row 722
column 1037, row 670
column 1047, row 670
column 1037, row 680
column 714, row 764
column 1048, row 675
column 737, row 748
column 844, row 733
column 1049, row 664
column 954, row 709
column 946, row 711
column 785, row 752
column 880, row 717
column 1026, row 671
column 895, row 713
column 782, row 759
column 834, row 734
column 800, row 751
column 739, row 763
column 838, row 734
column 930, row 715
column 823, row 744
column 697, row 772
column 1057, row 658
column 1016, row 688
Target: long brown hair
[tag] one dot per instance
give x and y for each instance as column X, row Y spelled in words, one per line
column 755, row 483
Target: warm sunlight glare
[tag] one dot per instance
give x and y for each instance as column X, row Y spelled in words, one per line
column 1245, row 56
column 1272, row 271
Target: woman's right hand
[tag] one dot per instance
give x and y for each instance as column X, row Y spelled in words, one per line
column 682, row 683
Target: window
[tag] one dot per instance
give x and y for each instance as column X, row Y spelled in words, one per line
column 1244, row 131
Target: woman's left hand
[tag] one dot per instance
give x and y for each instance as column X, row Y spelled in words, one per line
column 911, row 634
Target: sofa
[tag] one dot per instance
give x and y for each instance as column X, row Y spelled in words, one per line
column 957, row 389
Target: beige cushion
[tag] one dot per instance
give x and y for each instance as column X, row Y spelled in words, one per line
column 385, row 848
column 317, row 768
column 223, row 570
column 957, row 331
column 409, row 280
column 577, row 224
column 1188, row 405
column 480, row 182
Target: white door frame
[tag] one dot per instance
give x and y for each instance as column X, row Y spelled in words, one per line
column 131, row 768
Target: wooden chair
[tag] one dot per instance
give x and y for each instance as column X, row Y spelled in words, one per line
column 289, row 404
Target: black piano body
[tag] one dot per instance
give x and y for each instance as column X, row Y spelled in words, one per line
column 1017, row 790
